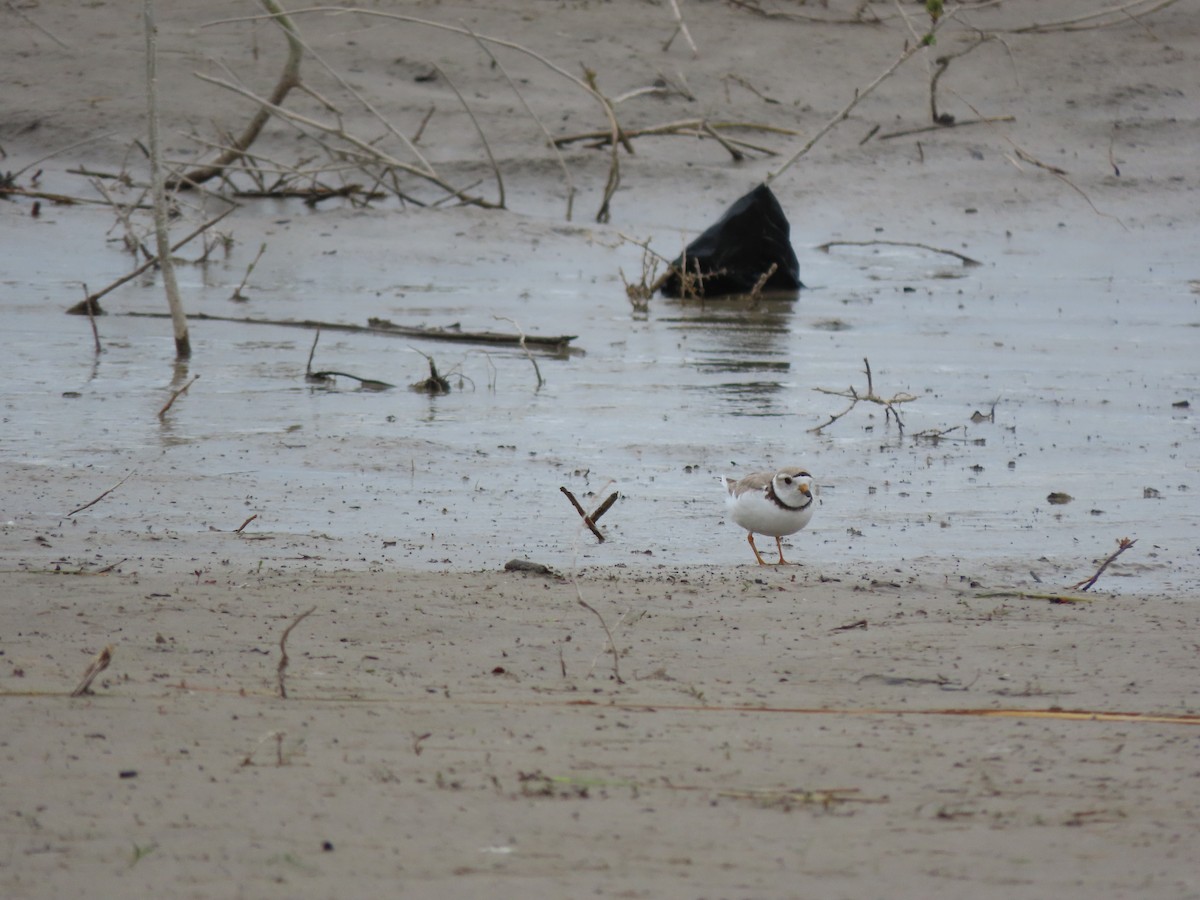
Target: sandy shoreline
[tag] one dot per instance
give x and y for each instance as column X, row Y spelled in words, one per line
column 894, row 721
column 462, row 734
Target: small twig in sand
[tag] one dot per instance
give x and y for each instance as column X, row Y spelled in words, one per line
column 102, row 496
column 242, row 527
column 1122, row 545
column 966, row 260
column 237, row 292
column 98, row 665
column 851, row 394
column 175, row 396
column 283, row 656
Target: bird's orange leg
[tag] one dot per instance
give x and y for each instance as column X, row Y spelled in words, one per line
column 782, row 561
column 757, row 555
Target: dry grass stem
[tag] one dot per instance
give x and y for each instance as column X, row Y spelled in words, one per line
column 586, row 84
column 1113, row 15
column 612, row 646
column 175, row 395
column 536, row 370
column 487, row 148
column 1061, row 174
column 237, row 292
column 283, row 655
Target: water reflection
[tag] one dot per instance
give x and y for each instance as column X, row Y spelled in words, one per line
column 751, row 337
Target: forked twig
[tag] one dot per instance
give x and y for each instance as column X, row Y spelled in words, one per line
column 1122, row 545
column 851, row 394
column 590, row 520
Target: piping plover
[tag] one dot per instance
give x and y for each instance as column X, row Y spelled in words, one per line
column 773, row 503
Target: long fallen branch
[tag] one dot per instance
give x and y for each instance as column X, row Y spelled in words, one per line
column 556, row 343
column 966, row 260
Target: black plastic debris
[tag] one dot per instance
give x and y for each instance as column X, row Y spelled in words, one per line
column 732, row 255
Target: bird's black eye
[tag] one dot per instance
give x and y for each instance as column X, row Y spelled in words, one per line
column 787, row 480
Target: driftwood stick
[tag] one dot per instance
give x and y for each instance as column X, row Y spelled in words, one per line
column 1122, row 545
column 283, row 655
column 79, row 509
column 386, row 328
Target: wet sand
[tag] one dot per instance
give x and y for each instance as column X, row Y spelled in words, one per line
column 908, row 713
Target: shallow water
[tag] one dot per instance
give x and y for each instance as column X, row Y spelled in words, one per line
column 1084, row 343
